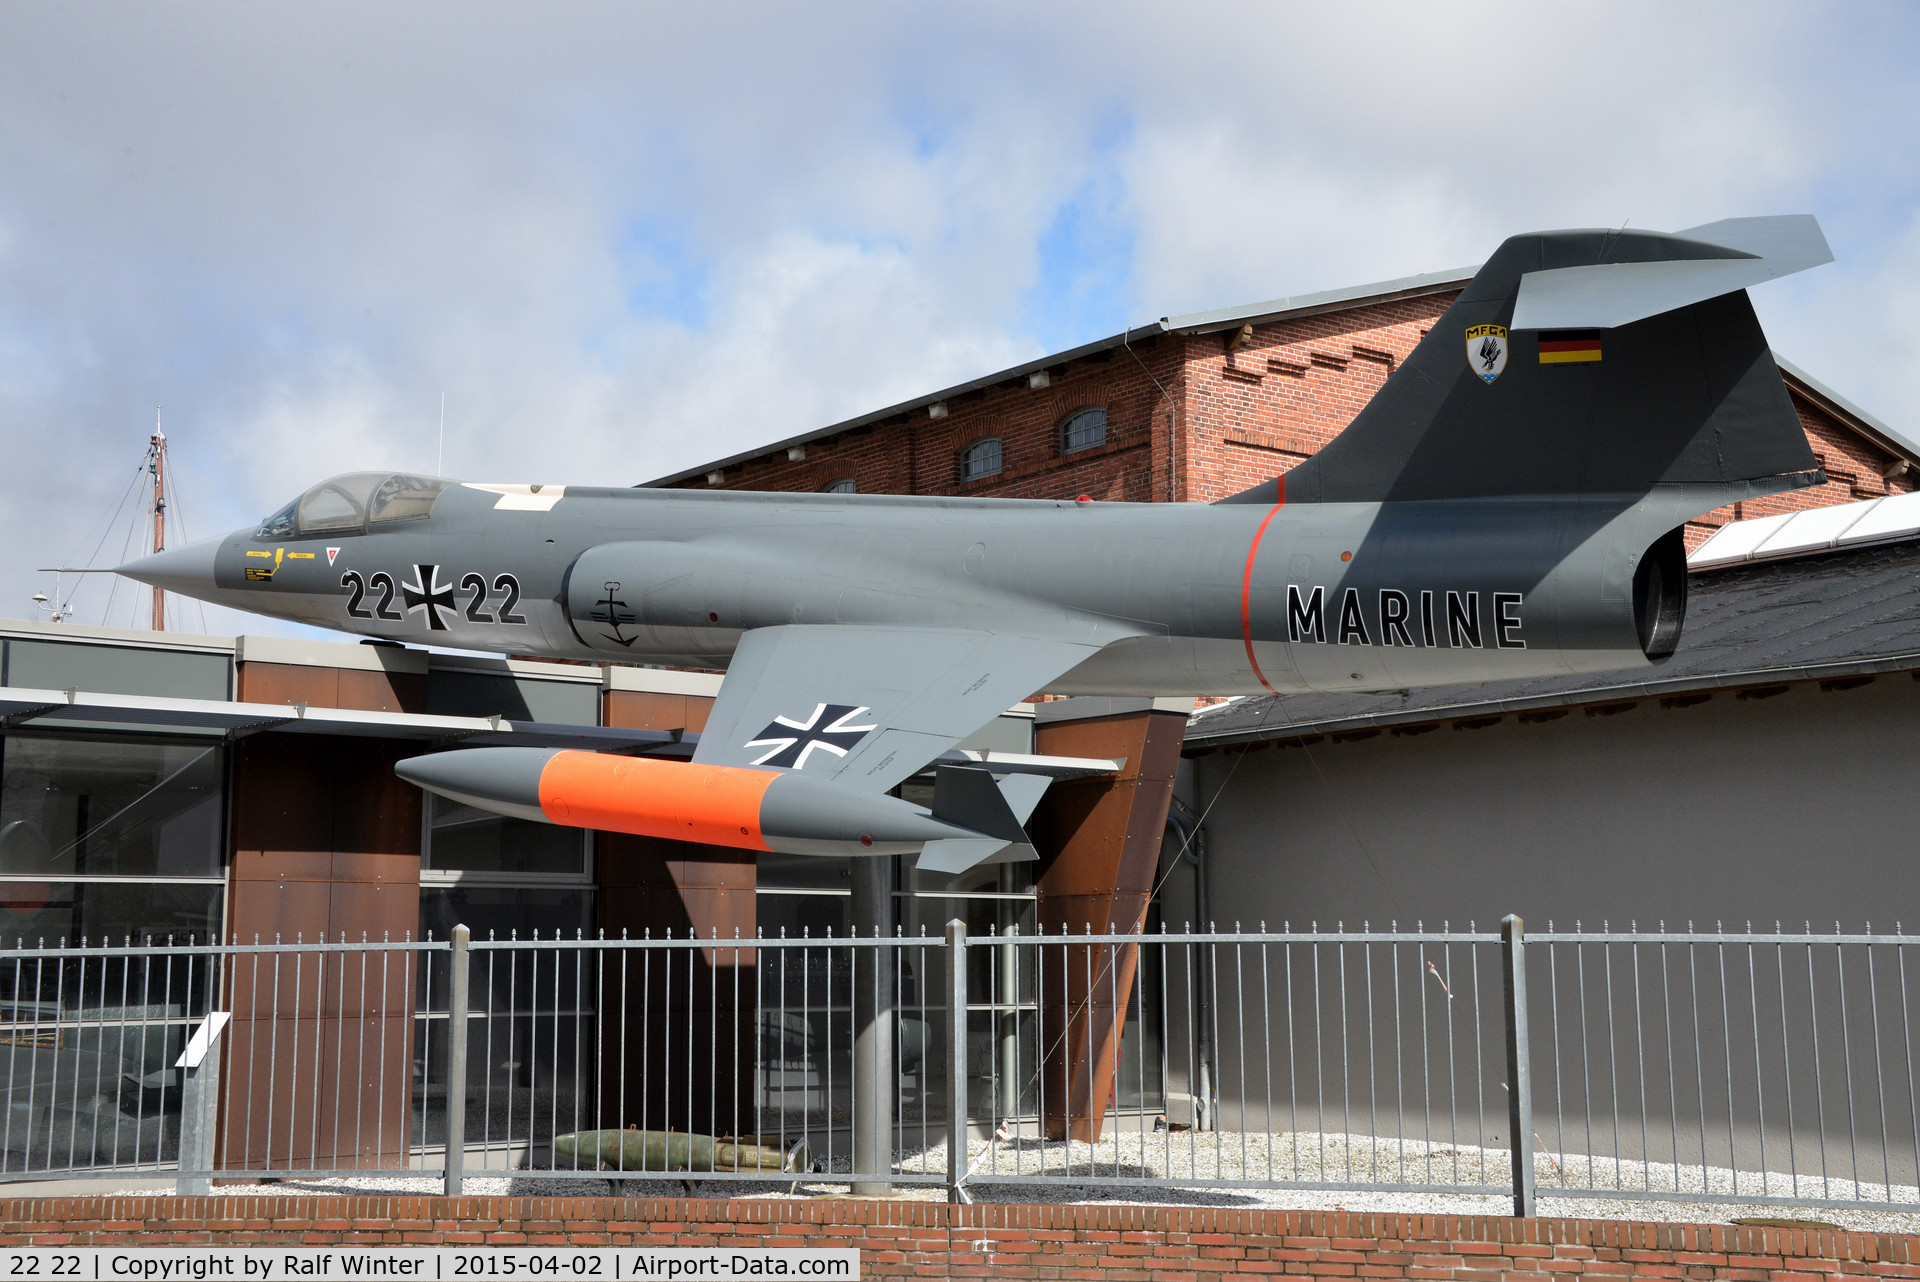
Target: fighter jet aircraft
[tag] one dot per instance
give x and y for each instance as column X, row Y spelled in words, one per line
column 1508, row 505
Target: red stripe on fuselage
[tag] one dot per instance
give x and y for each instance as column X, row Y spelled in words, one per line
column 1246, row 585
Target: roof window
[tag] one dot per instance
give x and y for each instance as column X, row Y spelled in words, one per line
column 982, row 458
column 1084, row 430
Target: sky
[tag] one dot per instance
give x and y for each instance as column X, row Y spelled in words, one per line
column 620, row 240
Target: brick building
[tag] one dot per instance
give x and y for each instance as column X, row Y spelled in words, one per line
column 1194, row 408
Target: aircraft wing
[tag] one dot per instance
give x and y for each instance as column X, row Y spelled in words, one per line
column 869, row 706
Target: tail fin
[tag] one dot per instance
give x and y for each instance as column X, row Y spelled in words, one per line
column 1586, row 362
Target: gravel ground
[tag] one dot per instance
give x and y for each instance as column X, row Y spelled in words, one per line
column 1254, row 1156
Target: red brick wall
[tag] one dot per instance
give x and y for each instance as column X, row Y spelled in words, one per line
column 929, row 1239
column 1855, row 468
column 1255, row 410
column 1199, row 417
column 914, row 454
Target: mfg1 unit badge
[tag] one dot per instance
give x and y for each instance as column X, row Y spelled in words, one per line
column 1487, row 350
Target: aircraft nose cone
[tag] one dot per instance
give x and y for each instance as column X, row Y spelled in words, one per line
column 505, row 781
column 187, row 570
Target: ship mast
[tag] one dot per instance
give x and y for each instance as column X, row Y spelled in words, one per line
column 157, row 464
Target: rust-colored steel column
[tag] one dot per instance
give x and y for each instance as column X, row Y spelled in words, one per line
column 326, row 841
column 1099, row 841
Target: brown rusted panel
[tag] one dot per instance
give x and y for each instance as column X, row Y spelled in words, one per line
column 297, row 795
column 379, row 812
column 376, row 866
column 383, row 691
column 301, row 985
column 270, row 910
column 269, row 1100
column 282, row 796
column 1099, row 841
column 277, row 866
column 1080, row 997
column 374, row 910
column 326, row 1091
column 327, row 841
column 366, row 1098
column 288, row 683
column 644, row 710
column 321, row 687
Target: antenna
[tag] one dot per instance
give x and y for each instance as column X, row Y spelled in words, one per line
column 156, row 464
column 440, row 454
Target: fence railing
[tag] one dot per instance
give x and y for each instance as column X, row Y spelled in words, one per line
column 1754, row 1067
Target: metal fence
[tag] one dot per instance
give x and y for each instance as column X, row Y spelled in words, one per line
column 1754, row 1067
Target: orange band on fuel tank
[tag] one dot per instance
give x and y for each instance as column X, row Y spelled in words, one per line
column 678, row 800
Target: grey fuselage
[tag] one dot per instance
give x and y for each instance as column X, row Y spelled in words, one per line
column 1187, row 598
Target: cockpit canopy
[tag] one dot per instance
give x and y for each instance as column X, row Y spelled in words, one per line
column 357, row 503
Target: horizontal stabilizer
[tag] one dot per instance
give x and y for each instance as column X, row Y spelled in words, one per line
column 956, row 855
column 970, row 797
column 1023, row 793
column 1735, row 253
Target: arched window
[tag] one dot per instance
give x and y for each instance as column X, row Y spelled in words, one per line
column 844, row 485
column 982, row 458
column 1084, row 430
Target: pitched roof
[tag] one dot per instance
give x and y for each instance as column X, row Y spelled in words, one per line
column 1192, row 323
column 1842, row 614
column 1273, row 309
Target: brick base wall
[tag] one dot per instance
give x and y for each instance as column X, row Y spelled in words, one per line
column 922, row 1239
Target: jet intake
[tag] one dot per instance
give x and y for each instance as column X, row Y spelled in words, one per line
column 680, row 801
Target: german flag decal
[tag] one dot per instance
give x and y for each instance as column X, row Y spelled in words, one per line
column 1569, row 346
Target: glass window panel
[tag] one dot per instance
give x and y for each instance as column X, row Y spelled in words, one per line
column 79, row 807
column 813, row 914
column 530, row 1047
column 116, row 669
column 280, row 525
column 110, row 911
column 845, row 485
column 405, row 498
column 463, row 838
column 339, row 505
column 500, row 910
column 982, row 916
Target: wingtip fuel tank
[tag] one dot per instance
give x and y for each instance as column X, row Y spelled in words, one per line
column 682, row 801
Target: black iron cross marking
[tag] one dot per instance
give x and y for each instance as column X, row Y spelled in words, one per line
column 789, row 743
column 426, row 594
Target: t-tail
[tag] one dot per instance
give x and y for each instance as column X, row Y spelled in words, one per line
column 1620, row 377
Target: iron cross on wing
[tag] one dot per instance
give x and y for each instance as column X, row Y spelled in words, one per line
column 789, row 743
